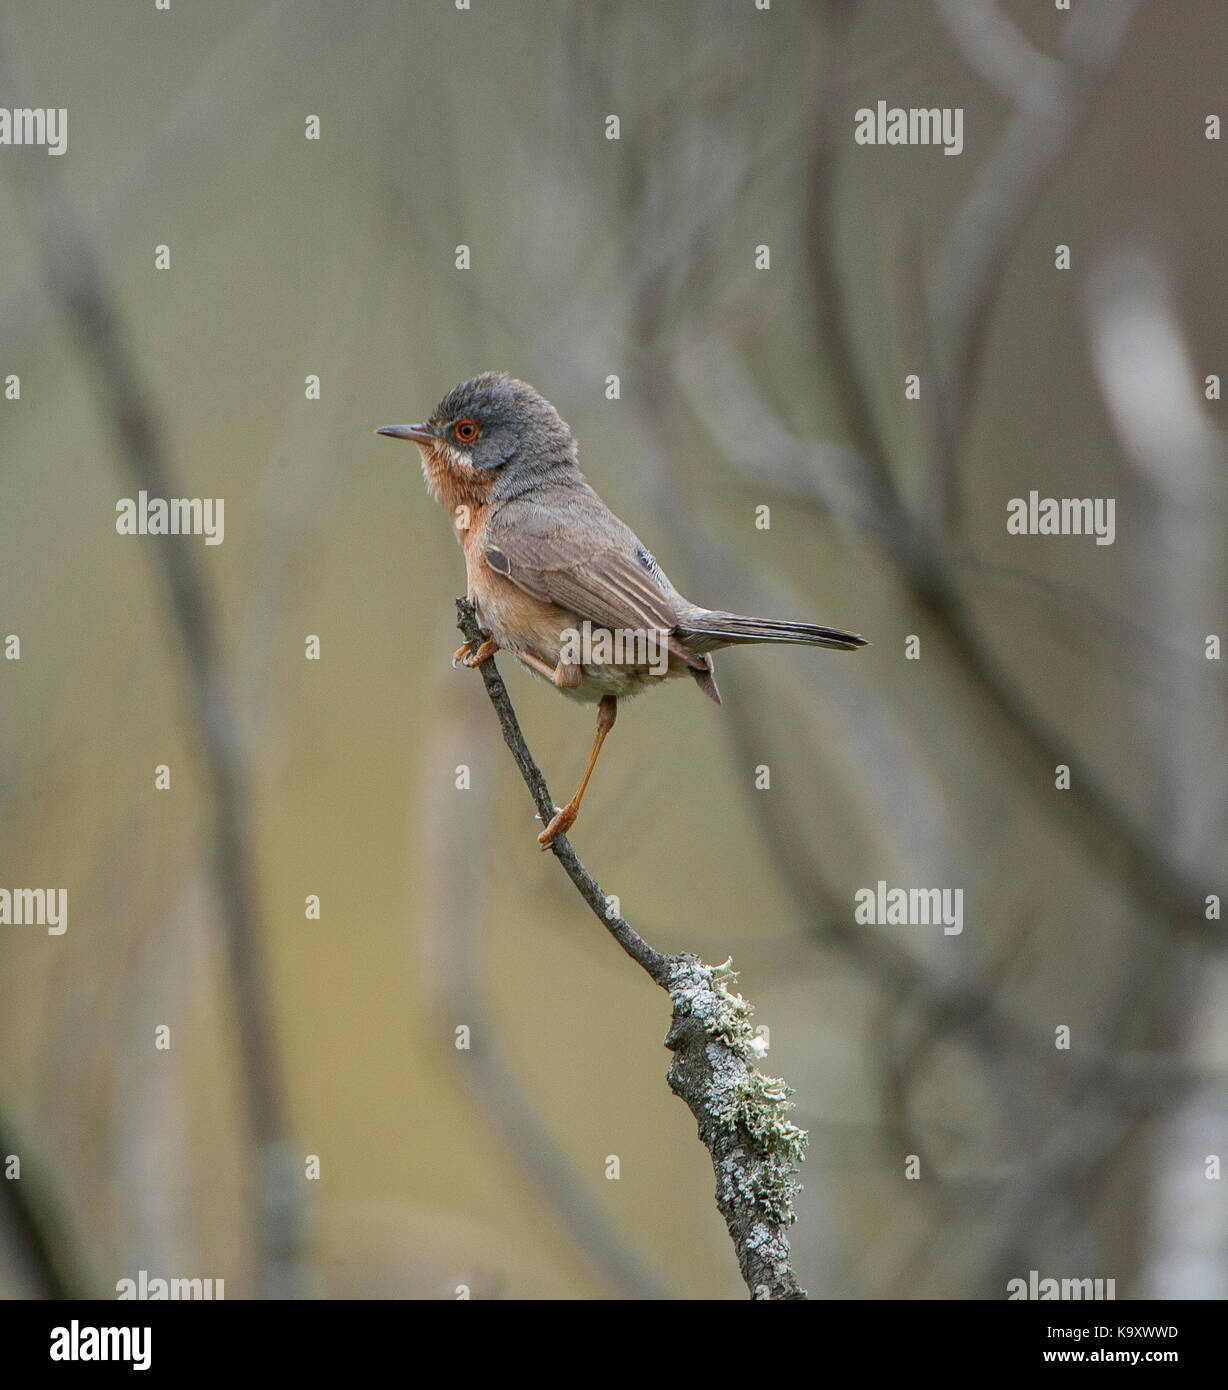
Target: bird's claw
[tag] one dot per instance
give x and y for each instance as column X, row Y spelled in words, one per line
column 464, row 656
column 560, row 823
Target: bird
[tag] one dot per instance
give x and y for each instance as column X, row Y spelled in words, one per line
column 556, row 579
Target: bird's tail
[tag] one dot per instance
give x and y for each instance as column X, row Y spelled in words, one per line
column 706, row 629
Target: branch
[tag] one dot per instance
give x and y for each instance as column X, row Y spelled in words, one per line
column 740, row 1112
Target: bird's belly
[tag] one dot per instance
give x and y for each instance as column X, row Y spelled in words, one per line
column 524, row 625
column 519, row 622
column 619, row 681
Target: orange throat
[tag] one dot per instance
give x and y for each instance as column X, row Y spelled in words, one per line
column 462, row 490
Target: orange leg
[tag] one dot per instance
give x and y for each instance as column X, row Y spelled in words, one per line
column 564, row 818
column 483, row 653
column 565, row 677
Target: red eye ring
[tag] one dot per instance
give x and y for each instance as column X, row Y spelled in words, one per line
column 466, row 430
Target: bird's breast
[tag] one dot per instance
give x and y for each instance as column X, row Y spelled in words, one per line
column 462, row 490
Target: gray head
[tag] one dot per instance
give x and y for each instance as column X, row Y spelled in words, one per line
column 492, row 421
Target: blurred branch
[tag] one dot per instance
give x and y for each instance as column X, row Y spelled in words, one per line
column 740, row 1111
column 722, row 392
column 1051, row 101
column 992, row 44
column 948, row 1004
column 967, row 287
column 74, row 281
column 36, row 1227
column 1147, row 377
column 834, row 332
column 446, row 904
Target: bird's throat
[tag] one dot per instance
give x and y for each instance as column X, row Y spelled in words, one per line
column 462, row 490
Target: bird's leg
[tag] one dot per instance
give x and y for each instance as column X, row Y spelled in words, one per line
column 466, row 657
column 564, row 676
column 564, row 818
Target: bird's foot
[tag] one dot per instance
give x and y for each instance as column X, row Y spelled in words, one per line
column 465, row 657
column 560, row 823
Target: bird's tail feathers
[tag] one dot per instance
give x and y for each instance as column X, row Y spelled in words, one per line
column 709, row 629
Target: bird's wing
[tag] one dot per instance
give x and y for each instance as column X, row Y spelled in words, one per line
column 582, row 558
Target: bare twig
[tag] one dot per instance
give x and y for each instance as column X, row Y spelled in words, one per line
column 740, row 1112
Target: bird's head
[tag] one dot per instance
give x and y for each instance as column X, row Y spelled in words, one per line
column 488, row 428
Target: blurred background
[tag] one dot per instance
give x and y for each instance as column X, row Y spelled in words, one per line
column 1092, row 908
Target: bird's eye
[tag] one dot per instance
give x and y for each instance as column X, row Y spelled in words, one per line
column 467, row 430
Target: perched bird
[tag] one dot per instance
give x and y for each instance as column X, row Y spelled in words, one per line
column 556, row 579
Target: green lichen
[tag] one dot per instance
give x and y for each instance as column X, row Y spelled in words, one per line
column 755, row 1102
column 758, row 1104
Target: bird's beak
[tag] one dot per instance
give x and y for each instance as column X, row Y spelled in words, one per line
column 418, row 434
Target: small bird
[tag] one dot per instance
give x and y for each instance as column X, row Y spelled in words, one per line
column 555, row 578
